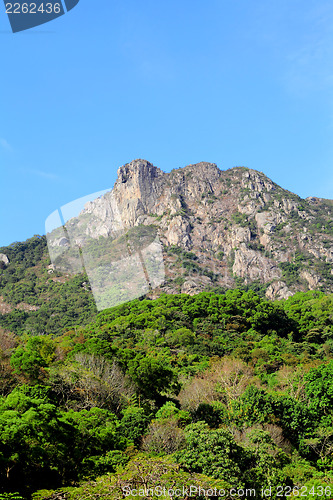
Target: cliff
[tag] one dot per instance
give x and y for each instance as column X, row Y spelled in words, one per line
column 217, row 228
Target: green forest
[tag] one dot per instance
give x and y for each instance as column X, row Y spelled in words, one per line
column 225, row 393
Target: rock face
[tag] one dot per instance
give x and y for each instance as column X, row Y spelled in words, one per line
column 218, row 228
column 278, row 290
column 4, row 259
column 251, row 265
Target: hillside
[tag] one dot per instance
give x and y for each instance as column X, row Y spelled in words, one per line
column 36, row 301
column 226, row 391
column 217, row 229
column 225, row 385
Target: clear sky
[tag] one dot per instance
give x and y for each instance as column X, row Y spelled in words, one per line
column 241, row 82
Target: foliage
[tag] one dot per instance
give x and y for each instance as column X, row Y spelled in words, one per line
column 37, row 353
column 41, row 303
column 212, row 452
column 228, row 387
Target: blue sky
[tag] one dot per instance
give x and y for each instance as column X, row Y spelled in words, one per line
column 178, row 82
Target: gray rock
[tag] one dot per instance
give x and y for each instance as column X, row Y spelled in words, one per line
column 278, row 290
column 238, row 213
column 4, row 259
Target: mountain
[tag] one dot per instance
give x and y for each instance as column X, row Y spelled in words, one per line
column 215, row 229
column 218, row 229
column 221, row 389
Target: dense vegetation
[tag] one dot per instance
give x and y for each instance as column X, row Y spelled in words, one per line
column 214, row 390
column 42, row 301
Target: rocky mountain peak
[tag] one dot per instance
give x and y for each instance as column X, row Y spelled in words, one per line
column 138, row 171
column 203, row 170
column 239, row 225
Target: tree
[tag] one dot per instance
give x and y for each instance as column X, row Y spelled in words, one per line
column 33, row 440
column 146, row 477
column 152, row 373
column 134, row 422
column 88, row 380
column 319, row 387
column 36, row 353
column 181, row 337
column 267, row 462
column 164, row 437
column 212, row 452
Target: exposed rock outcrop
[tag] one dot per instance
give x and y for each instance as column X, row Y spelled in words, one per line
column 278, row 290
column 253, row 265
column 238, row 223
column 4, row 259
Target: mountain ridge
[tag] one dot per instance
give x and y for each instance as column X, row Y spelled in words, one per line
column 242, row 226
column 218, row 230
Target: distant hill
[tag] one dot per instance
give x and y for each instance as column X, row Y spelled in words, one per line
column 222, row 388
column 218, row 230
column 34, row 298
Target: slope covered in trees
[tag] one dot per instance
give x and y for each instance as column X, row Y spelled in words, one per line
column 226, row 391
column 35, row 299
